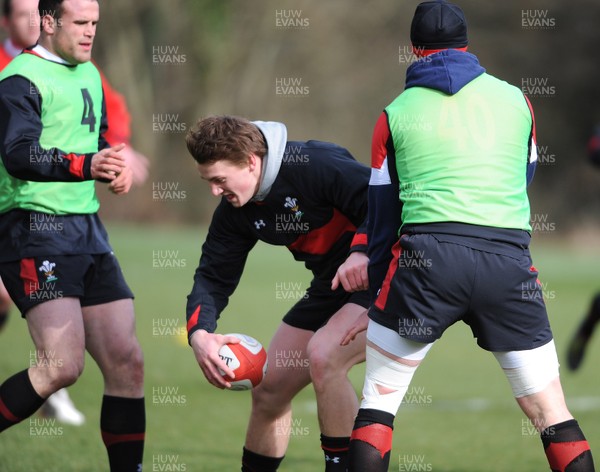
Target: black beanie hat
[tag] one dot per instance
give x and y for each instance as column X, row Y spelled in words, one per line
column 438, row 25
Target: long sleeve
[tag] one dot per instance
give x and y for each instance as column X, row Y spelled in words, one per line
column 385, row 207
column 21, row 128
column 222, row 262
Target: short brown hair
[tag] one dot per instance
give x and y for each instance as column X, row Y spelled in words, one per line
column 228, row 138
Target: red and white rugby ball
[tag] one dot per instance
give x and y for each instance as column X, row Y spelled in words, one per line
column 248, row 360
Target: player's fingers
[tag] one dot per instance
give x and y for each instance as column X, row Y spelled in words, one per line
column 214, row 374
column 118, row 190
column 364, row 275
column 348, row 337
column 116, row 187
column 231, row 340
column 346, row 281
column 355, row 282
column 361, row 279
column 335, row 282
column 222, row 368
column 122, row 184
column 113, row 153
column 351, row 284
column 215, row 378
column 113, row 161
column 106, row 175
column 110, row 169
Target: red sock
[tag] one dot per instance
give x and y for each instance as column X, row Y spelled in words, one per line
column 371, row 441
column 566, row 448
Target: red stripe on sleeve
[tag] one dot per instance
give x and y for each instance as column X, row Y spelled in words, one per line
column 360, row 239
column 76, row 164
column 193, row 321
column 381, row 134
column 29, row 275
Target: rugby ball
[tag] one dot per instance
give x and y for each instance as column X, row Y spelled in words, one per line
column 248, row 360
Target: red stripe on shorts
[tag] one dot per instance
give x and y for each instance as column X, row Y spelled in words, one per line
column 385, row 288
column 28, row 275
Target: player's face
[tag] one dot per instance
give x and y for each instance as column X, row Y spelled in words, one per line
column 75, row 30
column 238, row 184
column 23, row 23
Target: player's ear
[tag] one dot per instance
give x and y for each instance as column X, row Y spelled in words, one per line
column 252, row 161
column 49, row 24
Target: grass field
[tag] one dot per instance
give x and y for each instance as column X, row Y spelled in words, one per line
column 459, row 415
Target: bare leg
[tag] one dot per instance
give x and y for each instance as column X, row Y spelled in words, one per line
column 547, row 407
column 287, row 374
column 111, row 341
column 337, row 402
column 57, row 330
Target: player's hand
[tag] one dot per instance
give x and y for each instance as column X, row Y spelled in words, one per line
column 122, row 182
column 360, row 325
column 108, row 163
column 352, row 274
column 138, row 163
column 206, row 349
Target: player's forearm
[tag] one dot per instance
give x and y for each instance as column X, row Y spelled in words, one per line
column 22, row 154
column 29, row 161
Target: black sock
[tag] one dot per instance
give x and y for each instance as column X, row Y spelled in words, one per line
column 336, row 453
column 371, row 441
column 566, row 448
column 18, row 400
column 123, row 426
column 253, row 462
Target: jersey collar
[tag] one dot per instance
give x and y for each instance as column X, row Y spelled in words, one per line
column 44, row 53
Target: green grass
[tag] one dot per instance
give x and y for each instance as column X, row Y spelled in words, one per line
column 461, row 419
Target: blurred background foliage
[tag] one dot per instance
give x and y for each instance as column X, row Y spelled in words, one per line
column 178, row 60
